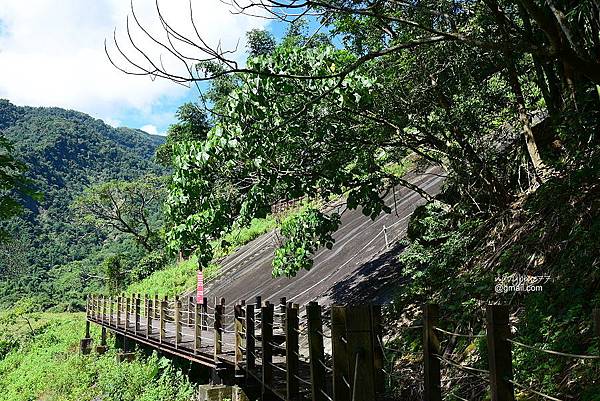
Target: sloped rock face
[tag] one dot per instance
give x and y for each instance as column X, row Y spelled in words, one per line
column 359, row 268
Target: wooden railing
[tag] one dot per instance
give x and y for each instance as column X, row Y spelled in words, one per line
column 261, row 342
column 258, row 341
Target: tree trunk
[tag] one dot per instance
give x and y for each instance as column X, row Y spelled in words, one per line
column 532, row 149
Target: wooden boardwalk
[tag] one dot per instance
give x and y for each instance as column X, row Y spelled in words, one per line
column 253, row 342
column 259, row 346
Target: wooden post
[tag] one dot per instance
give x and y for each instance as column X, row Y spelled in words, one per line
column 97, row 306
column 177, row 322
column 87, row 329
column 110, row 310
column 339, row 341
column 292, row 354
column 378, row 357
column 91, row 306
column 103, row 337
column 197, row 327
column 267, row 349
column 119, row 300
column 162, row 317
column 316, row 352
column 250, row 333
column 103, row 309
column 156, row 306
column 360, row 353
column 596, row 319
column 127, row 310
column 431, row 353
column 218, row 327
column 149, row 315
column 137, row 314
column 205, row 314
column 190, row 310
column 499, row 353
column 238, row 313
column 146, row 305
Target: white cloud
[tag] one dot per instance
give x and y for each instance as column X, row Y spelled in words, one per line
column 52, row 54
column 151, row 129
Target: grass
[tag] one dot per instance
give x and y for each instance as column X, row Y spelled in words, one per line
column 172, row 280
column 46, row 366
column 181, row 276
column 399, row 169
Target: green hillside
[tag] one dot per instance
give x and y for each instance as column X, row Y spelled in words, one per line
column 52, row 256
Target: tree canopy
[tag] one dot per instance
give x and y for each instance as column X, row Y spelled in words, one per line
column 501, row 94
column 13, row 184
column 128, row 207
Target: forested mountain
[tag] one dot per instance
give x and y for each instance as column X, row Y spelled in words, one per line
column 51, row 254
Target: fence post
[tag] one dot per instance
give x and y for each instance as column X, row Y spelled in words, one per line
column 499, row 353
column 360, row 353
column 596, row 319
column 267, row 350
column 104, row 316
column 127, row 310
column 316, row 352
column 378, row 357
column 250, row 333
column 110, row 310
column 197, row 327
column 177, row 322
column 341, row 381
column 118, row 310
column 431, row 352
column 162, row 317
column 205, row 314
column 92, row 306
column 218, row 326
column 96, row 306
column 156, row 306
column 137, row 314
column 238, row 314
column 292, row 353
column 149, row 315
column 191, row 309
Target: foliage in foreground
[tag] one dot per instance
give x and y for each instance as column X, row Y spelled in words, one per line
column 46, row 365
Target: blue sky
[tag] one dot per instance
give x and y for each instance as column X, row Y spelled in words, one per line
column 54, row 56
